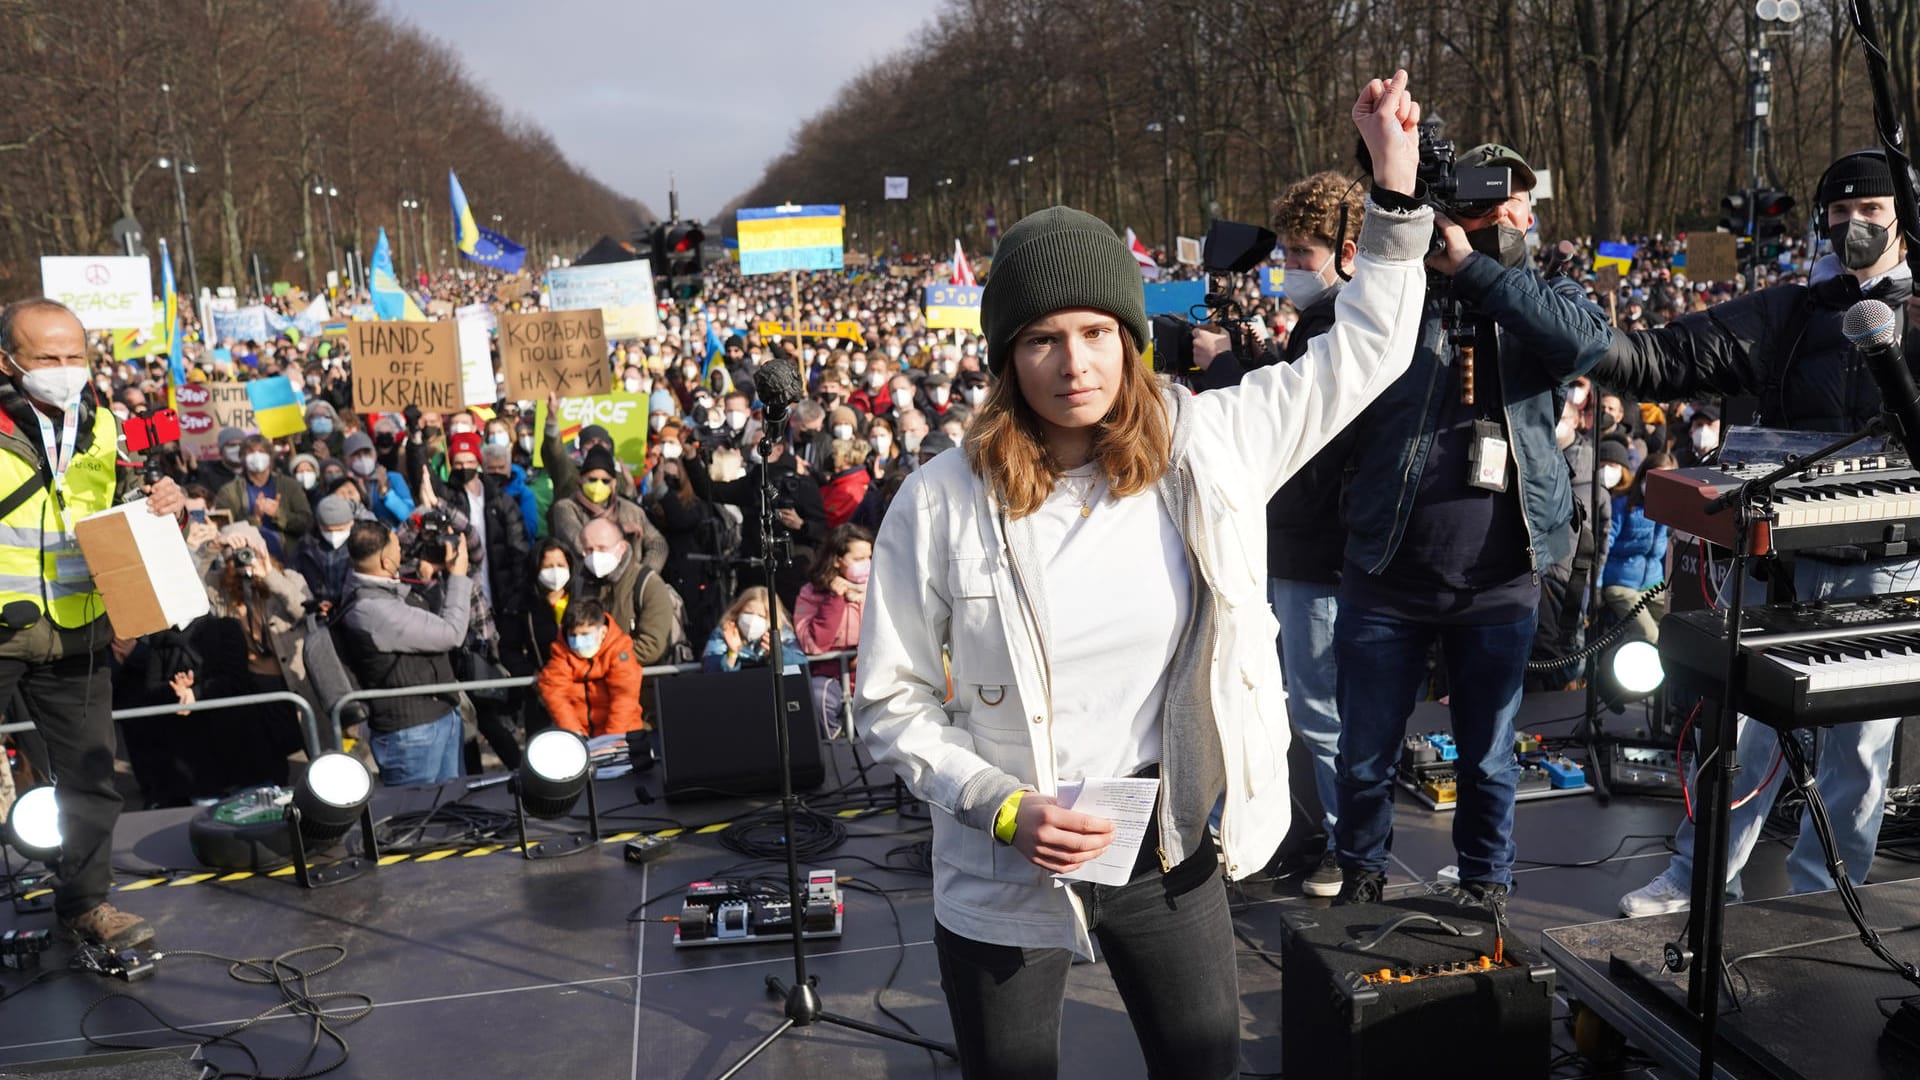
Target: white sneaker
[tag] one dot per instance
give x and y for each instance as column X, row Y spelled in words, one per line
column 1661, row 896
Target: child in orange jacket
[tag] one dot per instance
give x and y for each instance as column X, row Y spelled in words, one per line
column 591, row 683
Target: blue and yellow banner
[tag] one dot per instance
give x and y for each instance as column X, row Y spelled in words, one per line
column 278, row 409
column 1273, row 281
column 953, row 307
column 790, row 237
column 390, row 301
column 1617, row 255
column 483, row 246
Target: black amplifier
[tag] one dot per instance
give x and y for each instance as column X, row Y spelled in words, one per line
column 1414, row 987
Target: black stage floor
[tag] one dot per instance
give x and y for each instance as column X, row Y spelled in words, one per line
column 486, row 965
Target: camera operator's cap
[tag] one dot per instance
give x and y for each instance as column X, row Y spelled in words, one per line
column 355, row 443
column 333, row 511
column 1054, row 259
column 1494, row 156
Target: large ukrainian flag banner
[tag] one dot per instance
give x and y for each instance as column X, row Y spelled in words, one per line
column 790, row 237
column 278, row 408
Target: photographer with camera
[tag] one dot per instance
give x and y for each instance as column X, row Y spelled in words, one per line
column 1457, row 497
column 391, row 638
column 800, row 515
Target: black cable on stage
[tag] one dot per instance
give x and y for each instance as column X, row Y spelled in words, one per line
column 1585, row 863
column 297, row 999
column 899, row 957
column 763, row 835
column 1600, row 645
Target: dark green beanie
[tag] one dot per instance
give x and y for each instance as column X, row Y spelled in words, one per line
column 1053, row 259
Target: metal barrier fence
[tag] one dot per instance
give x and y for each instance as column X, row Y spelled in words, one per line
column 311, row 734
column 309, row 722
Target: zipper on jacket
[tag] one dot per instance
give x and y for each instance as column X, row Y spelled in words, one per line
column 1519, row 475
column 1406, row 474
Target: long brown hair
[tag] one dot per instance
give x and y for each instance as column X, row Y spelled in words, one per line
column 1007, row 445
column 822, row 571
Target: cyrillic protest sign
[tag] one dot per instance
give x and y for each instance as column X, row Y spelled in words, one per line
column 205, row 408
column 953, row 307
column 107, row 292
column 554, row 352
column 397, row 364
column 623, row 292
column 624, row 416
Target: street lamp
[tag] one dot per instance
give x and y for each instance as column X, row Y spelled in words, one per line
column 407, row 207
column 180, row 162
column 328, row 193
column 1018, row 164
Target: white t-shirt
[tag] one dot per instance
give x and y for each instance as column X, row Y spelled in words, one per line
column 1118, row 595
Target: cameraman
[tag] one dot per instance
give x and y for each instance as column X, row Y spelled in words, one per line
column 1453, row 509
column 799, row 514
column 391, row 639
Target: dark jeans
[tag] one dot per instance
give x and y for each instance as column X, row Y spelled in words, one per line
column 1168, row 941
column 1382, row 662
column 70, row 701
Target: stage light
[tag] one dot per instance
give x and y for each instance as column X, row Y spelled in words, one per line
column 1629, row 672
column 332, row 795
column 553, row 773
column 33, row 825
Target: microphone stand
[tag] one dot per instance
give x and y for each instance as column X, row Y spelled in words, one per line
column 803, row 1007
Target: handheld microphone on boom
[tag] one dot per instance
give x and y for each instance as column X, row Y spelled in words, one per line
column 1874, row 329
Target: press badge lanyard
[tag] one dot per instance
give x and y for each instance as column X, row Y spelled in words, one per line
column 60, row 454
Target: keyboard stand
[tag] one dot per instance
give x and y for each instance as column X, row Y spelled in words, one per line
column 1701, row 954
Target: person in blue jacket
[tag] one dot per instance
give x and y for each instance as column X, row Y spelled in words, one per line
column 1636, row 555
column 497, row 460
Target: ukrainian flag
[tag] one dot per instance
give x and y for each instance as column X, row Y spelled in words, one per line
column 1619, row 256
column 790, row 237
column 278, row 409
column 170, row 319
column 390, row 301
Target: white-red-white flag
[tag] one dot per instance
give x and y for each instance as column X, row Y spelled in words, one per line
column 1148, row 268
column 962, row 269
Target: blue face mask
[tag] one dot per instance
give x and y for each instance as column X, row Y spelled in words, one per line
column 585, row 645
column 321, row 426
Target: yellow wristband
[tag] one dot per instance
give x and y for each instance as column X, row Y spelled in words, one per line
column 1003, row 819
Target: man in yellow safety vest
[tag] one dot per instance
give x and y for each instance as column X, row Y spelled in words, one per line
column 58, row 464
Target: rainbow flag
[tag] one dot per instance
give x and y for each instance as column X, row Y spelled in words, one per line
column 1617, row 255
column 278, row 409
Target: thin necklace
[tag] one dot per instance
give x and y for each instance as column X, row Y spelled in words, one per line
column 1086, row 500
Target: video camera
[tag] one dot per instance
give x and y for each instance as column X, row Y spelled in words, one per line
column 1231, row 247
column 434, row 537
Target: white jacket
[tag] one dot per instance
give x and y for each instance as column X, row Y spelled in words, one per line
column 948, row 582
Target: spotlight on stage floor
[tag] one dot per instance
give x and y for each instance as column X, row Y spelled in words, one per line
column 334, row 793
column 552, row 774
column 1630, row 672
column 33, row 829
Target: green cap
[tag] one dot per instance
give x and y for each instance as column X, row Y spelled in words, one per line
column 1054, row 259
column 1494, row 156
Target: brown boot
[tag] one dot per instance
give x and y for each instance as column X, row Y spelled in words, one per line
column 109, row 926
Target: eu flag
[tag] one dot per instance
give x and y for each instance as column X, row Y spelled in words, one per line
column 484, row 246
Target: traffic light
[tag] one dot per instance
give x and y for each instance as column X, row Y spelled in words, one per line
column 1770, row 209
column 683, row 259
column 657, row 249
column 1733, row 219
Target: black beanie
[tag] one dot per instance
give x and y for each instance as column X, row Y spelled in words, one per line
column 599, row 457
column 1053, row 259
column 1862, row 174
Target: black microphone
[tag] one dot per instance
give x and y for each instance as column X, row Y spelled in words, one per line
column 1874, row 330
column 778, row 385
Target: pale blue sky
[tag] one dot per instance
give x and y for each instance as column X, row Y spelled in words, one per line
column 633, row 89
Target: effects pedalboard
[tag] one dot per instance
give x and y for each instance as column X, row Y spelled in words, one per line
column 1428, row 770
column 732, row 912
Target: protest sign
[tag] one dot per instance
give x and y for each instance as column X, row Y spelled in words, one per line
column 847, row 330
column 1712, row 257
column 554, row 352
column 623, row 292
column 789, row 237
column 1273, row 281
column 1606, row 279
column 243, row 324
column 396, row 364
column 513, row 288
column 477, row 323
column 205, row 408
column 953, row 307
column 1174, row 297
column 624, row 416
column 1186, row 251
column 896, row 187
column 107, row 292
